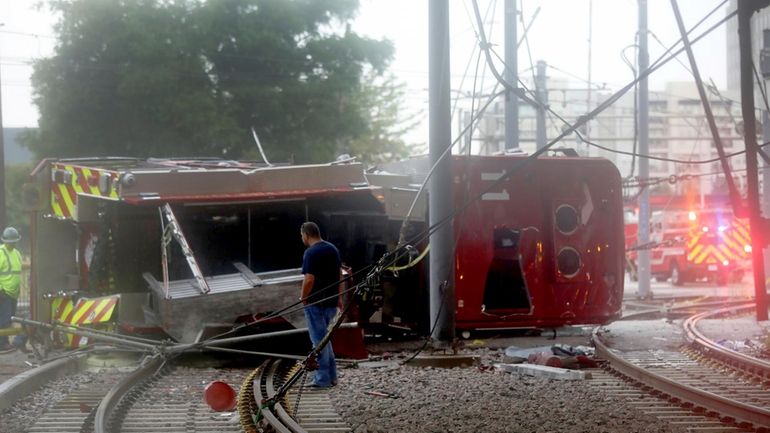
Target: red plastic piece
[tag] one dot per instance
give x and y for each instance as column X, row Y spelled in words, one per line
column 349, row 343
column 219, row 396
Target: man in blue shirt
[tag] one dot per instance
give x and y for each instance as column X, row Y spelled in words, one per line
column 320, row 290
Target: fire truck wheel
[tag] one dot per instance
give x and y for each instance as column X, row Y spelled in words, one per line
column 722, row 279
column 677, row 278
column 737, row 277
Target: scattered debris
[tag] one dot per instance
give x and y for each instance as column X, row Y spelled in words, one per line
column 524, row 352
column 544, row 358
column 738, row 345
column 484, row 368
column 378, row 364
column 558, row 355
column 567, row 331
column 544, row 371
column 381, row 394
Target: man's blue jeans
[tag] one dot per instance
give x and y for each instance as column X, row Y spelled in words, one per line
column 318, row 320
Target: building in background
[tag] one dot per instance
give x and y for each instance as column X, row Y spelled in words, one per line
column 760, row 21
column 678, row 130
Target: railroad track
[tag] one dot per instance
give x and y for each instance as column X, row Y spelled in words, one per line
column 165, row 395
column 8, row 371
column 702, row 385
column 302, row 409
column 675, row 307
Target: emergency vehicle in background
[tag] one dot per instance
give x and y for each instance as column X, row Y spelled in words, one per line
column 710, row 244
column 631, row 235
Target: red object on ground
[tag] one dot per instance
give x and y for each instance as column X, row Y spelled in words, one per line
column 219, row 396
column 349, row 343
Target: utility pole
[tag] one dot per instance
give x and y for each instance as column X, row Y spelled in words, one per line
column 442, row 298
column 588, row 93
column 3, row 212
column 3, row 209
column 643, row 255
column 764, row 66
column 766, row 184
column 511, row 76
column 756, row 222
column 542, row 98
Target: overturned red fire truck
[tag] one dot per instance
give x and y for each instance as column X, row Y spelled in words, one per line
column 191, row 246
column 542, row 246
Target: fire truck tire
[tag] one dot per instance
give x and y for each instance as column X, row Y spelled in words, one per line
column 677, row 278
column 722, row 279
column 736, row 277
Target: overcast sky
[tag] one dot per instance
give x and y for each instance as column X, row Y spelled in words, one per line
column 559, row 35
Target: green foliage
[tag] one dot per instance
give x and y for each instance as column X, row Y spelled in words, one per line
column 15, row 176
column 382, row 139
column 190, row 78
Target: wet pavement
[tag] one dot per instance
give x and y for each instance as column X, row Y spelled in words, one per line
column 733, row 332
column 667, row 290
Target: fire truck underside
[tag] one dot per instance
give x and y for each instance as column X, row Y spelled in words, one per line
column 192, row 262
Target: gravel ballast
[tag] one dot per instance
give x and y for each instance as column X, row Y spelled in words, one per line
column 22, row 415
column 480, row 400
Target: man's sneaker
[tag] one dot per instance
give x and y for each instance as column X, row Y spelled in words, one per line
column 6, row 348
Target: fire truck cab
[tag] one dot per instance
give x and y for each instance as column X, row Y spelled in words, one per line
column 694, row 245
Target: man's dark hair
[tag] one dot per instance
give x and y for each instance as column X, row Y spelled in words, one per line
column 311, row 229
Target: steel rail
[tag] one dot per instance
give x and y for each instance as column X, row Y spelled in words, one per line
column 107, row 333
column 262, row 386
column 711, row 348
column 103, row 336
column 280, row 411
column 245, row 338
column 725, row 407
column 24, row 383
column 680, row 307
column 271, row 415
column 111, row 402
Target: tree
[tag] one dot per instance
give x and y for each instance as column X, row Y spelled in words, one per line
column 15, row 176
column 382, row 139
column 191, row 77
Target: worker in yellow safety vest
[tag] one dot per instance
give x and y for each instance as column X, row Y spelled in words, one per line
column 10, row 282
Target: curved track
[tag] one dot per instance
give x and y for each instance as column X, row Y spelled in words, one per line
column 165, row 395
column 759, row 369
column 703, row 379
column 302, row 409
